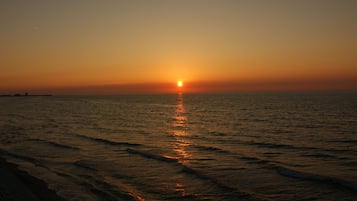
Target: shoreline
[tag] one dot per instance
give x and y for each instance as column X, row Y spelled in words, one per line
column 16, row 184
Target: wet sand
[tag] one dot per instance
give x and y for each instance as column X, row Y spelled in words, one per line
column 17, row 185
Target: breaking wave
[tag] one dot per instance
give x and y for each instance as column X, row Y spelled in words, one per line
column 108, row 142
column 152, row 155
column 315, row 177
column 55, row 144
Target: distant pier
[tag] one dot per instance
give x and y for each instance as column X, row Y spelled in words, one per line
column 23, row 95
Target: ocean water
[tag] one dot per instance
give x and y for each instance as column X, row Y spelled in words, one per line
column 243, row 146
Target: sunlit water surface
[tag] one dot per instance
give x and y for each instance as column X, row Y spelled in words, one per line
column 245, row 146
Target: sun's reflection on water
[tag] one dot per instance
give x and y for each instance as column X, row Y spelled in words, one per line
column 180, row 188
column 180, row 131
column 181, row 139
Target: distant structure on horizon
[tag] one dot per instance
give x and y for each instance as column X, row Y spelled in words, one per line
column 25, row 94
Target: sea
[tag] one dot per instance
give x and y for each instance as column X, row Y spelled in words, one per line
column 225, row 146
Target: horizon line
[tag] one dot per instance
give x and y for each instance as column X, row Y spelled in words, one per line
column 191, row 87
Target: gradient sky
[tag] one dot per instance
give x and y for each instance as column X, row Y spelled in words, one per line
column 147, row 45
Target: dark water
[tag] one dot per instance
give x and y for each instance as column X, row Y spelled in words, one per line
column 248, row 146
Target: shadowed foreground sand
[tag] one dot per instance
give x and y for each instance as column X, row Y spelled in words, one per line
column 17, row 185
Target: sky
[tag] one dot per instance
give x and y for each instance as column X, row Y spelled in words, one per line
column 139, row 46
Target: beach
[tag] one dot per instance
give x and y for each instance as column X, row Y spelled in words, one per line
column 17, row 185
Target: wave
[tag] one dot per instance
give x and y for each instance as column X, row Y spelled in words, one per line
column 350, row 164
column 254, row 160
column 196, row 173
column 185, row 169
column 210, row 148
column 271, row 145
column 237, row 194
column 318, row 155
column 108, row 192
column 292, row 147
column 18, row 116
column 152, row 155
column 55, row 144
column 239, row 156
column 215, row 133
column 108, row 142
column 99, row 188
column 32, row 160
column 171, row 160
column 271, row 153
column 349, row 141
column 315, row 177
column 83, row 164
column 200, row 175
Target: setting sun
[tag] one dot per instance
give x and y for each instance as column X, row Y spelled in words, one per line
column 179, row 84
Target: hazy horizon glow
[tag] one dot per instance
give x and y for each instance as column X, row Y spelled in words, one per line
column 146, row 46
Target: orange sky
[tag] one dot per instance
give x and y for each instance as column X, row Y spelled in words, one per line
column 143, row 46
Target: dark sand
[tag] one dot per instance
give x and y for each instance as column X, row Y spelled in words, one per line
column 17, row 185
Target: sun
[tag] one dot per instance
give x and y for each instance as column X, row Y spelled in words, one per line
column 179, row 83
